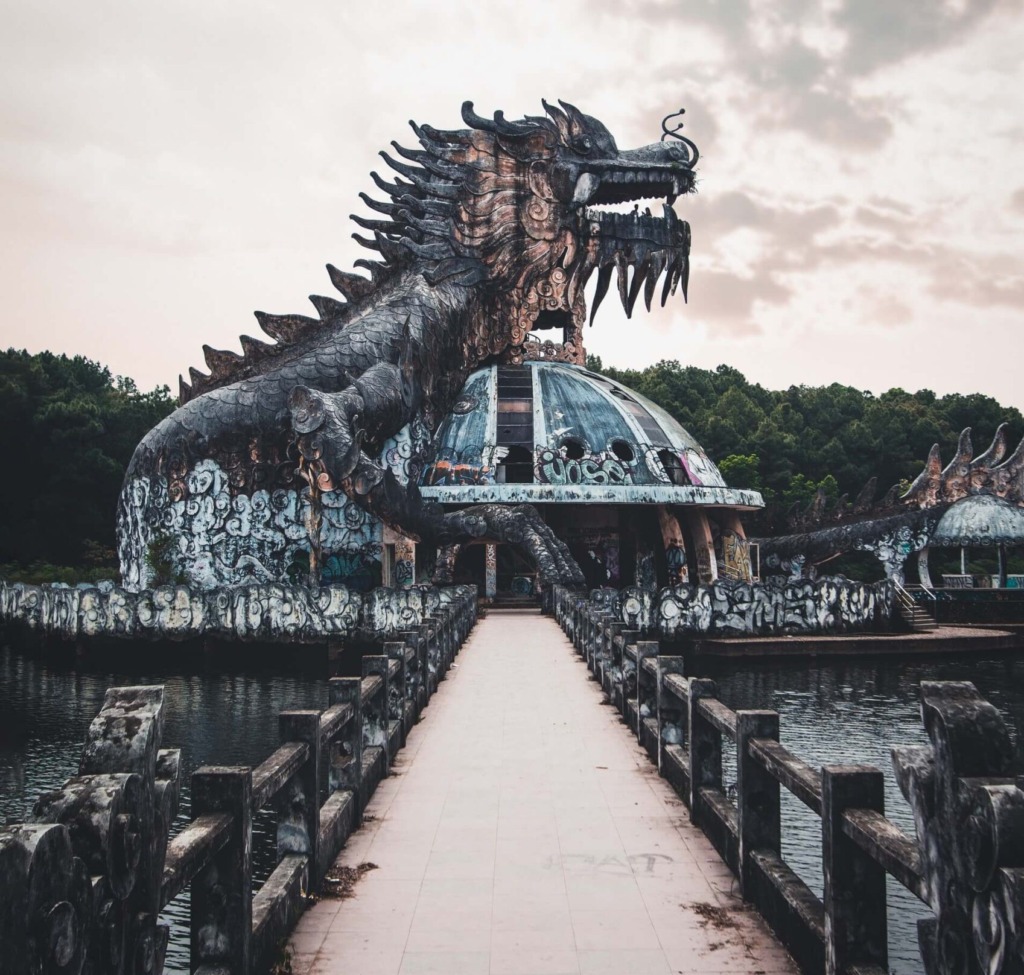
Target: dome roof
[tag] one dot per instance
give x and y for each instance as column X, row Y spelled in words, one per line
column 555, row 432
column 982, row 519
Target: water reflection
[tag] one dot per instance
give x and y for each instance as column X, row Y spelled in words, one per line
column 841, row 712
column 215, row 718
column 831, row 712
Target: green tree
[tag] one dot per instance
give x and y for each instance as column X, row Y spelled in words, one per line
column 69, row 430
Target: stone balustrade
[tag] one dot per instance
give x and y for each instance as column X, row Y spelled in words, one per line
column 82, row 884
column 966, row 862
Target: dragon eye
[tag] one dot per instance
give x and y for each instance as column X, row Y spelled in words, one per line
column 582, row 143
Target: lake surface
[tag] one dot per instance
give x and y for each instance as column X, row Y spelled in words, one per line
column 831, row 712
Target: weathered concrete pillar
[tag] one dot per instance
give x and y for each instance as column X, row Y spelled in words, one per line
column 490, row 570
column 855, row 912
column 757, row 793
column 298, row 807
column 922, row 568
column 672, row 713
column 405, row 562
column 221, row 912
column 398, row 686
column 346, row 761
column 674, row 545
column 705, row 747
column 375, row 709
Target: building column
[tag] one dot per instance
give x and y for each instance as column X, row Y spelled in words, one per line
column 490, row 570
column 735, row 548
column 922, row 569
column 405, row 562
column 700, row 530
column 675, row 547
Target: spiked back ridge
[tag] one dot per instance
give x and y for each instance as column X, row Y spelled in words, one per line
column 964, row 475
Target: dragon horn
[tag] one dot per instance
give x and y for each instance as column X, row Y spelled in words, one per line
column 558, row 117
column 577, row 120
column 498, row 126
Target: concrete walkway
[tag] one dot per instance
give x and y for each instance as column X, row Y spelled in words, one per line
column 523, row 832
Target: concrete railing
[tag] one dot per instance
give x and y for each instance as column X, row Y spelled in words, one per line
column 82, row 884
column 966, row 863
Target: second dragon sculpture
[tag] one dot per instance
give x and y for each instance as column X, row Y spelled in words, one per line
column 486, row 234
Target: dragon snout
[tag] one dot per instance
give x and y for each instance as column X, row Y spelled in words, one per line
column 307, row 410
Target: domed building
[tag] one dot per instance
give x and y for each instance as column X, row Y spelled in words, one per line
column 619, row 480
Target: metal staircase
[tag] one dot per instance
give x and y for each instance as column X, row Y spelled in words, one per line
column 912, row 612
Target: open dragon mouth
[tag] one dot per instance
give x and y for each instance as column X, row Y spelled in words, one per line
column 650, row 244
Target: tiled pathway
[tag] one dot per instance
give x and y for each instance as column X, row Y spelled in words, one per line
column 523, row 832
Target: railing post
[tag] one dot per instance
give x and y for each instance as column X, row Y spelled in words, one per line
column 855, row 912
column 644, row 649
column 397, row 687
column 375, row 711
column 705, row 743
column 626, row 684
column 415, row 639
column 298, row 824
column 221, row 912
column 346, row 759
column 757, row 794
column 673, row 721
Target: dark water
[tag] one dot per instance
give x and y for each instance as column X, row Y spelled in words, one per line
column 842, row 712
column 214, row 718
column 831, row 712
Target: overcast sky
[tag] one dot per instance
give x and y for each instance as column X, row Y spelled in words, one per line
column 166, row 168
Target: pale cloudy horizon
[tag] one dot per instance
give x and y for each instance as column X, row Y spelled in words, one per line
column 165, row 170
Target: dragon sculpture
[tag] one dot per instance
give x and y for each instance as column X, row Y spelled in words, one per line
column 899, row 524
column 489, row 233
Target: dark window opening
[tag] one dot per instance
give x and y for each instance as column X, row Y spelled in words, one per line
column 516, row 467
column 573, row 448
column 547, row 318
column 623, row 450
column 673, row 465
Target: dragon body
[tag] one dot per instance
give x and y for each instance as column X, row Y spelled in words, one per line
column 487, row 235
column 903, row 524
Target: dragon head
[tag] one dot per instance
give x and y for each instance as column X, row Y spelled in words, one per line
column 516, row 206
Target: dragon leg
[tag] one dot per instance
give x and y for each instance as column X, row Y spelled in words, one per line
column 331, row 429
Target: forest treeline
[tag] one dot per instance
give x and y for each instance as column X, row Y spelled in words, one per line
column 785, row 443
column 69, row 427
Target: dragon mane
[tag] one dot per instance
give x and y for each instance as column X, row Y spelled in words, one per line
column 472, row 206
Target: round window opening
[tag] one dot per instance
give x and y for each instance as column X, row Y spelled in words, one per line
column 623, row 450
column 573, row 448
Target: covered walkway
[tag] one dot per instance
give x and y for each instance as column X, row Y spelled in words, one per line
column 523, row 832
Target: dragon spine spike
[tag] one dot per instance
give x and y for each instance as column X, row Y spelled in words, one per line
column 866, row 496
column 395, row 189
column 184, row 391
column 995, row 453
column 328, row 308
column 927, row 482
column 220, row 362
column 378, row 206
column 384, row 226
column 962, row 457
column 352, row 286
column 1014, row 464
column 198, row 378
column 285, row 329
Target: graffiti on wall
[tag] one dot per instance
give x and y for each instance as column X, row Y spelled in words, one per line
column 272, row 611
column 211, row 537
column 554, row 467
column 727, row 608
column 735, row 556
